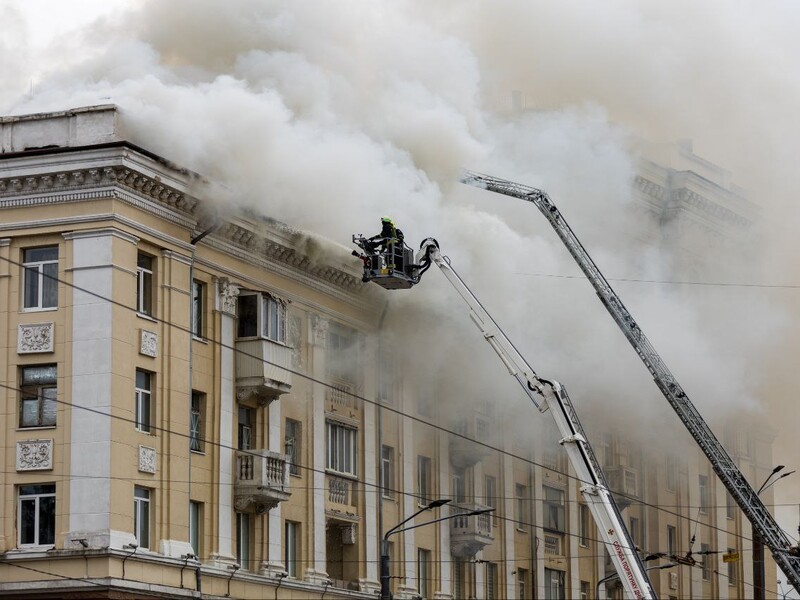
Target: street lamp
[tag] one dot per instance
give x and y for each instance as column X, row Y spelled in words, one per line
column 759, row 577
column 385, row 571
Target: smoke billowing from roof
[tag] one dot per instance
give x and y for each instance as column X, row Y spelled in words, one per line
column 328, row 115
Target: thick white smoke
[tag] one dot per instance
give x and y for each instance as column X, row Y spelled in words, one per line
column 329, row 115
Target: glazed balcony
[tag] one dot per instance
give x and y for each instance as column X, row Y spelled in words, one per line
column 262, row 370
column 470, row 534
column 262, row 480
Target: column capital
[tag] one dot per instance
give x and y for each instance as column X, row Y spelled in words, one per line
column 227, row 293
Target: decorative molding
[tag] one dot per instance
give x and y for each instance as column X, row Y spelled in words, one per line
column 33, row 338
column 34, row 455
column 148, row 343
column 147, row 459
column 295, row 328
column 104, row 232
column 228, row 293
column 319, row 327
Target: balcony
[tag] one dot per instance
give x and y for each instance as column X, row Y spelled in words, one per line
column 262, row 370
column 623, row 483
column 342, row 493
column 464, row 452
column 262, row 480
column 469, row 535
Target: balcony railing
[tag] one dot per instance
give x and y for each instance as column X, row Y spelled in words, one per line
column 342, row 491
column 469, row 534
column 553, row 544
column 340, row 395
column 262, row 480
column 262, row 369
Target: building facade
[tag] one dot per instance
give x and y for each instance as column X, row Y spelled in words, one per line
column 198, row 409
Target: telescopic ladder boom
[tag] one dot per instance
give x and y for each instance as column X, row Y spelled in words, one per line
column 550, row 394
column 763, row 523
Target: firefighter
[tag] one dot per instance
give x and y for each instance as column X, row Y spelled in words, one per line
column 387, row 235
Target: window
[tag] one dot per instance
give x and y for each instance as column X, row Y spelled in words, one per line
column 342, row 448
column 341, row 355
column 144, row 284
column 491, row 581
column 387, row 471
column 196, row 422
column 37, row 515
column 729, row 505
column 584, row 524
column 424, row 403
column 553, row 584
column 458, row 578
column 705, row 563
column 386, row 378
column 143, row 401
column 459, row 490
column 731, row 568
column 261, row 314
column 245, row 441
column 291, row 554
column 243, row 540
column 195, row 518
column 291, row 445
column 40, row 270
column 198, row 308
column 635, row 532
column 553, row 509
column 585, row 590
column 521, row 496
column 490, row 496
column 671, row 472
column 423, row 572
column 38, row 393
column 424, row 479
column 141, row 516
column 522, row 583
column 672, row 540
column 703, row 482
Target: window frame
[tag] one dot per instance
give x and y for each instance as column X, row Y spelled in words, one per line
column 195, row 526
column 702, row 484
column 387, row 472
column 245, row 429
column 243, row 542
column 553, row 504
column 41, row 279
column 584, row 520
column 36, row 498
column 705, row 563
column 560, row 578
column 423, row 571
column 291, row 547
column 491, row 581
column 145, row 276
column 42, row 390
column 266, row 307
column 198, row 309
column 292, row 444
column 197, row 422
column 424, row 480
column 342, row 342
column 341, row 443
column 142, row 509
column 521, row 501
column 143, row 398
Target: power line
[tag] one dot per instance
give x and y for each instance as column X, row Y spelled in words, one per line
column 668, row 282
column 311, row 379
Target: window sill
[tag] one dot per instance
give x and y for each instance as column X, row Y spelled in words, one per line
column 198, row 452
column 297, row 475
column 389, row 498
column 146, row 317
column 39, row 310
column 36, row 428
column 149, row 433
column 520, row 530
column 342, row 475
column 201, row 340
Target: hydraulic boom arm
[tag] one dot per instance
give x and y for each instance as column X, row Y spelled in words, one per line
column 764, row 525
column 550, row 394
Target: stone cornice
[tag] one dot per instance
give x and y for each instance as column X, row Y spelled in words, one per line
column 148, row 192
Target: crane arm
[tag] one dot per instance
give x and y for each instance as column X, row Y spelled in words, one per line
column 550, row 394
column 763, row 523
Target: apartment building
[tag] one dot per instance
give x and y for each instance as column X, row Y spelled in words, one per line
column 198, row 409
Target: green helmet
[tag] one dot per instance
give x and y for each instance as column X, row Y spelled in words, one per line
column 386, row 220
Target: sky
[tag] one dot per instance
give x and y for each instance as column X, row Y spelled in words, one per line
column 332, row 115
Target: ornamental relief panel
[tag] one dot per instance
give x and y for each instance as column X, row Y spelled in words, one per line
column 34, row 455
column 148, row 343
column 147, row 459
column 35, row 337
